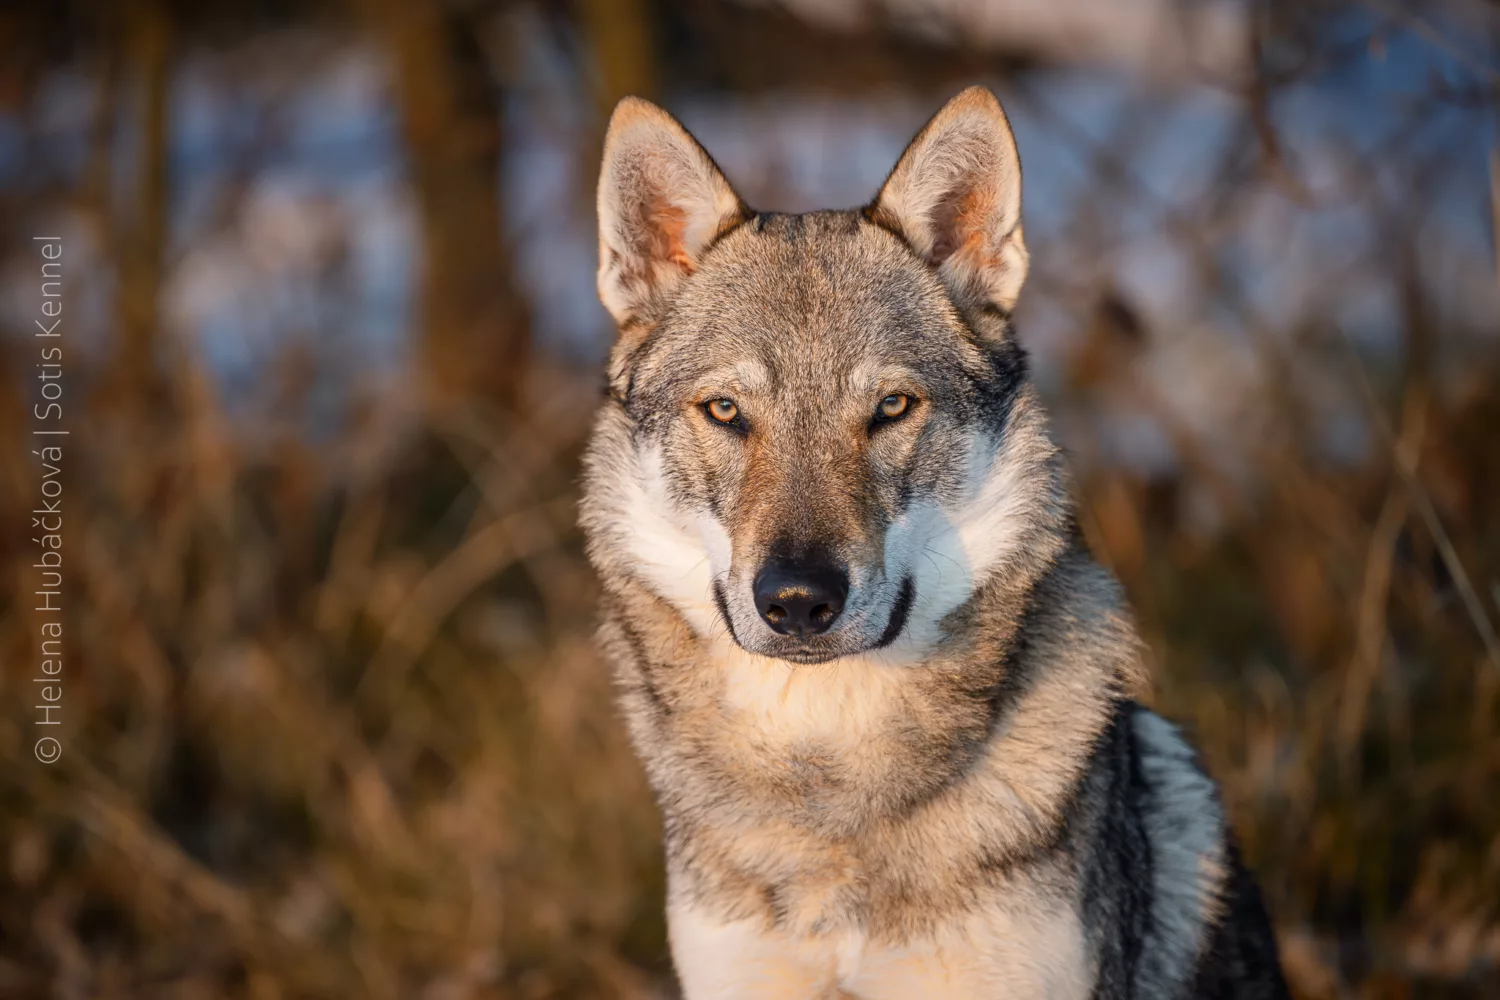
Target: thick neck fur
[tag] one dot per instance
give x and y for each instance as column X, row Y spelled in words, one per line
column 876, row 789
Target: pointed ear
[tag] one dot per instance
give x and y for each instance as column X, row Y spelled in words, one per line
column 956, row 198
column 661, row 203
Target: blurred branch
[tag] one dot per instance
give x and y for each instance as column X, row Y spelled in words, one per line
column 762, row 47
column 141, row 247
column 619, row 34
column 480, row 558
column 1424, row 30
column 474, row 324
column 1371, row 630
column 1406, row 467
column 1495, row 213
column 1258, row 99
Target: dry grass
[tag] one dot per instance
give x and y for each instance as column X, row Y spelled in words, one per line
column 336, row 726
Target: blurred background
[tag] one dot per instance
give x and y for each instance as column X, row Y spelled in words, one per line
column 333, row 725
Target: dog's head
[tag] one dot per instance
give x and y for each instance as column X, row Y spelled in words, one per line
column 813, row 442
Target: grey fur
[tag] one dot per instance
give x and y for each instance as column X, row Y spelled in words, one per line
column 951, row 791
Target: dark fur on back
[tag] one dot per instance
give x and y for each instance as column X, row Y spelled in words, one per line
column 1238, row 958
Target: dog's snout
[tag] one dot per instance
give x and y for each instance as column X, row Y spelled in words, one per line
column 799, row 599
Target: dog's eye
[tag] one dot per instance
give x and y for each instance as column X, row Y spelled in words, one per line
column 722, row 410
column 893, row 407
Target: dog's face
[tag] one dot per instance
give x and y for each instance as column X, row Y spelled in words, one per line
column 809, row 410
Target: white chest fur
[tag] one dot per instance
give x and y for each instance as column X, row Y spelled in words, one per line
column 1035, row 951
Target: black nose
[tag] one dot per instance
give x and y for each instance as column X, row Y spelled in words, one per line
column 798, row 599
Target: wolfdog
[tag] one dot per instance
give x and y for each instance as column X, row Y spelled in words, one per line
column 885, row 698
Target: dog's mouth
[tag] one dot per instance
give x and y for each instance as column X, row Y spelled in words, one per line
column 823, row 648
column 900, row 612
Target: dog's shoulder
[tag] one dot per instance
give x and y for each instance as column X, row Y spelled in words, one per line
column 1208, row 934
column 1187, row 834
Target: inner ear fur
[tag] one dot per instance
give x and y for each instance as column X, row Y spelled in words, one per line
column 955, row 196
column 662, row 201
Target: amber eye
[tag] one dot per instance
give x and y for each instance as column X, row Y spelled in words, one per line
column 893, row 406
column 723, row 410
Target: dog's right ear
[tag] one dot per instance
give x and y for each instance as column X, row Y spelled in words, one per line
column 662, row 201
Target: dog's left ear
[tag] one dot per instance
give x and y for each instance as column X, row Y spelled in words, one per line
column 955, row 196
column 662, row 200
